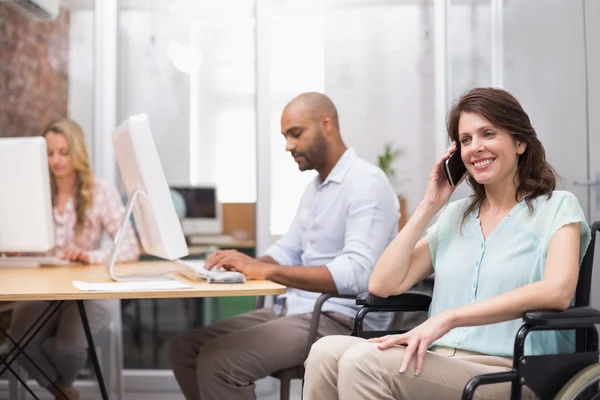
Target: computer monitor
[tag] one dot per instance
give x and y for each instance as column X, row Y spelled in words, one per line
column 26, row 220
column 203, row 213
column 149, row 196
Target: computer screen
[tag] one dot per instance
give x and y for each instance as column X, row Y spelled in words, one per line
column 26, row 220
column 202, row 210
column 146, row 187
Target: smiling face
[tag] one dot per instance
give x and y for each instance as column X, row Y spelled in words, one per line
column 59, row 155
column 491, row 154
column 303, row 137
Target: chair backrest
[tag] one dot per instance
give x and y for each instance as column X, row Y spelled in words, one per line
column 584, row 284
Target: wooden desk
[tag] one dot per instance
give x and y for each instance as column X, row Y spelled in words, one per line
column 55, row 283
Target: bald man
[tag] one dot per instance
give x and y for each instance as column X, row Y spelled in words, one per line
column 346, row 218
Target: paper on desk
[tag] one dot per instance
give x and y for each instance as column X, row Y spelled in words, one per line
column 130, row 286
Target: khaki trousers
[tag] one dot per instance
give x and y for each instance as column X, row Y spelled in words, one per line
column 222, row 361
column 350, row 368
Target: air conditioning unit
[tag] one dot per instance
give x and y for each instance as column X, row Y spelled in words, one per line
column 35, row 9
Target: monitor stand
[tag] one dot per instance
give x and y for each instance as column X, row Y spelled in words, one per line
column 110, row 264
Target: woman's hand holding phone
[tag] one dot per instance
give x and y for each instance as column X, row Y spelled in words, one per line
column 438, row 190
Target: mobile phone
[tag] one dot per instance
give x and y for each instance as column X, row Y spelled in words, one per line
column 454, row 168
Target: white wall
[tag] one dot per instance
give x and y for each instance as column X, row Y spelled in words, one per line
column 469, row 56
column 544, row 68
column 469, row 48
column 149, row 83
column 376, row 63
column 153, row 79
column 81, row 71
column 378, row 72
column 297, row 65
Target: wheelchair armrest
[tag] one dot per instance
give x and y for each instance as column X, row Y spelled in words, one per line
column 487, row 379
column 571, row 318
column 411, row 299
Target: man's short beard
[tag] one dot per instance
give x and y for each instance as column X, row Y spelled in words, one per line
column 315, row 157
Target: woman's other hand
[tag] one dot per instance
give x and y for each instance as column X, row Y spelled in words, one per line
column 75, row 254
column 438, row 190
column 417, row 340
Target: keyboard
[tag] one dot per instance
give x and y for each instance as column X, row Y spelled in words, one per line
column 33, row 261
column 194, row 270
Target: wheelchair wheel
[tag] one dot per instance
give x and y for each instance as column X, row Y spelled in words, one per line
column 582, row 386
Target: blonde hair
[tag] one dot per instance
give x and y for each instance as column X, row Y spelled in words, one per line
column 83, row 196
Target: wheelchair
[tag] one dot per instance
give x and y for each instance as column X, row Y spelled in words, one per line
column 557, row 376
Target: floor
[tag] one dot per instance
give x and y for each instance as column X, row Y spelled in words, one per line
column 89, row 392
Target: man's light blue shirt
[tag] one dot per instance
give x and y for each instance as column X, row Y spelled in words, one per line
column 469, row 268
column 344, row 222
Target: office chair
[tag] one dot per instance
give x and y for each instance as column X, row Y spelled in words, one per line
column 558, row 376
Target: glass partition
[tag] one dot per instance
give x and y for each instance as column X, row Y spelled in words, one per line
column 469, row 36
column 190, row 65
column 550, row 80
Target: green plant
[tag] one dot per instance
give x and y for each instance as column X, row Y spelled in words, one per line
column 385, row 160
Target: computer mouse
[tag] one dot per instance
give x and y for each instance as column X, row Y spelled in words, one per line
column 228, row 277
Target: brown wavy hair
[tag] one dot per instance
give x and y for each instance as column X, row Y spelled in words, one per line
column 83, row 196
column 536, row 176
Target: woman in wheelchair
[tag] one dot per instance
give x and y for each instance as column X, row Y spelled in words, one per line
column 514, row 245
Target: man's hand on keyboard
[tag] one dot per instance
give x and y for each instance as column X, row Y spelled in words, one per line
column 216, row 258
column 233, row 260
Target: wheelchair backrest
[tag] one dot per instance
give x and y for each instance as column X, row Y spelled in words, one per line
column 584, row 284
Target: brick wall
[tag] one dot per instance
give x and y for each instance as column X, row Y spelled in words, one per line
column 33, row 72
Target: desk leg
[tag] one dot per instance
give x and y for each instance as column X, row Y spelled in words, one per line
column 155, row 339
column 92, row 349
column 137, row 332
column 26, row 339
column 28, row 336
column 21, row 381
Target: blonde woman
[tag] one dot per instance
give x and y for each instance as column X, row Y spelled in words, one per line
column 84, row 209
